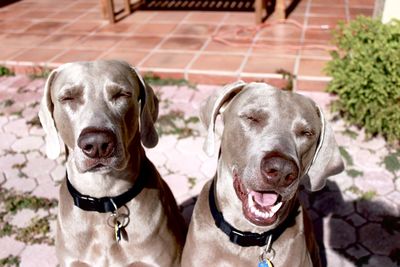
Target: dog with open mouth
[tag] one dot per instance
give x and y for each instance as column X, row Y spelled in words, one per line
column 249, row 214
column 114, row 208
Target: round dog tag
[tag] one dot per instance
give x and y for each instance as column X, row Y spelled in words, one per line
column 265, row 263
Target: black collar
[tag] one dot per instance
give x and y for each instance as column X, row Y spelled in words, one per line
column 107, row 204
column 247, row 239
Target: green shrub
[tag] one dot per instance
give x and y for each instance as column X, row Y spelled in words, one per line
column 365, row 75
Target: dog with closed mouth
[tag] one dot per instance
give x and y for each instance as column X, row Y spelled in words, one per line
column 114, row 208
column 272, row 142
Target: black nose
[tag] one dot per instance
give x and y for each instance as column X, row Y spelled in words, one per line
column 278, row 170
column 97, row 143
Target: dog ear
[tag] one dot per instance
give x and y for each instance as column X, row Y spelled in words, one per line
column 148, row 113
column 327, row 160
column 53, row 145
column 210, row 109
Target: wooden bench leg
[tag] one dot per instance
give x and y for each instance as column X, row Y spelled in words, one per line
column 127, row 7
column 258, row 10
column 107, row 8
column 280, row 9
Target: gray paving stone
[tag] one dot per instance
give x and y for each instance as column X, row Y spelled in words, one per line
column 46, row 188
column 356, row 219
column 9, row 164
column 378, row 240
column 335, row 259
column 20, row 184
column 376, row 260
column 38, row 255
column 339, row 234
column 364, row 159
column 342, row 181
column 332, row 203
column 10, row 246
column 3, row 121
column 357, row 251
column 38, row 165
column 58, row 173
column 7, row 139
column 23, row 217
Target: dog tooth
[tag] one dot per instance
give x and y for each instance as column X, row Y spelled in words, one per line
column 250, row 201
column 253, row 209
column 275, row 208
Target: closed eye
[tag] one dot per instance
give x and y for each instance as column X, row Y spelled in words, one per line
column 121, row 94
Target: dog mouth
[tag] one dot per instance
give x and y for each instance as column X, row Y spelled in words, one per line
column 259, row 207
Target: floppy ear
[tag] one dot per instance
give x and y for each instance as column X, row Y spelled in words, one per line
column 327, row 160
column 148, row 113
column 210, row 109
column 53, row 145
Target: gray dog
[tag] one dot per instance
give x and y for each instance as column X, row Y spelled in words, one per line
column 114, row 209
column 249, row 214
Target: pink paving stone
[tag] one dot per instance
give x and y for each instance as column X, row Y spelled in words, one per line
column 39, row 255
column 10, row 246
column 322, row 99
column 7, row 139
column 374, row 144
column 37, row 131
column 177, row 183
column 374, row 210
column 209, row 167
column 195, row 191
column 184, row 93
column 185, row 107
column 166, row 143
column 364, row 158
column 190, row 146
column 379, row 181
column 394, row 197
column 46, row 188
column 187, row 164
column 3, row 121
column 156, row 156
column 38, row 166
column 17, row 127
column 203, row 91
column 24, row 217
column 8, row 163
column 342, row 180
column 27, row 143
column 377, row 260
column 357, row 251
column 36, row 85
column 20, row 184
column 397, row 183
column 58, row 173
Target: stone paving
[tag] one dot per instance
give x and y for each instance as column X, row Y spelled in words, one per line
column 356, row 215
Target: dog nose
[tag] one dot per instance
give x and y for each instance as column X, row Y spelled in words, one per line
column 97, row 143
column 278, row 170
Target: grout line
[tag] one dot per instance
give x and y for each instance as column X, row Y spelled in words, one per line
column 164, row 39
column 347, row 10
column 302, row 39
column 206, row 43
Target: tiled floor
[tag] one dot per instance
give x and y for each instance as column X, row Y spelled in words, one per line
column 204, row 47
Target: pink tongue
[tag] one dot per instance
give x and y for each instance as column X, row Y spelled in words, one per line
column 264, row 199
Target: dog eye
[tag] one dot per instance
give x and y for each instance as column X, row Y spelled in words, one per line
column 66, row 98
column 252, row 119
column 307, row 133
column 121, row 94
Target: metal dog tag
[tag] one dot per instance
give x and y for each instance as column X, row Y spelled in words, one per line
column 265, row 263
column 117, row 230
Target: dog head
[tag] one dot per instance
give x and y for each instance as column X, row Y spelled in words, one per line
column 272, row 141
column 97, row 109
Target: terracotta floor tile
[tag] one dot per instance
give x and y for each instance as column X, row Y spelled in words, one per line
column 118, row 28
column 168, row 60
column 240, row 18
column 312, row 67
column 99, row 42
column 11, row 13
column 370, row 3
column 22, row 39
column 77, row 55
column 92, row 15
column 37, row 55
column 205, row 17
column 318, row 36
column 331, row 2
column 276, row 82
column 36, row 14
column 327, row 11
column 61, row 40
column 311, row 52
column 16, row 25
column 132, row 57
column 183, row 43
column 79, row 27
column 66, row 15
column 140, row 16
column 221, row 62
column 45, row 27
column 194, row 29
column 155, row 29
column 318, row 86
column 276, row 47
column 281, row 31
column 7, row 52
column 83, row 5
column 139, row 42
column 263, row 64
column 212, row 78
column 169, row 16
column 321, row 21
column 354, row 12
column 227, row 46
